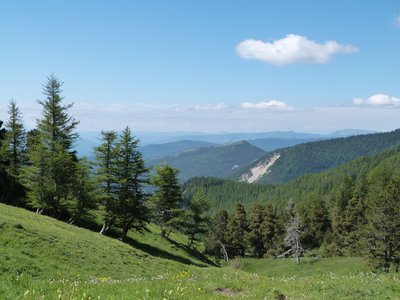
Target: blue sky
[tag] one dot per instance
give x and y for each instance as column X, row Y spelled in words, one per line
column 207, row 66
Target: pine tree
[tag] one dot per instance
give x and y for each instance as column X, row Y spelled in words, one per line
column 217, row 240
column 4, row 180
column 13, row 153
column 131, row 176
column 255, row 236
column 237, row 231
column 339, row 212
column 316, row 222
column 14, row 146
column 166, row 202
column 56, row 124
column 56, row 135
column 355, row 219
column 197, row 219
column 383, row 228
column 36, row 176
column 84, row 192
column 269, row 229
column 106, row 163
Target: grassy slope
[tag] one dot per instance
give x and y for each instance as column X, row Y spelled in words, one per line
column 38, row 246
column 41, row 258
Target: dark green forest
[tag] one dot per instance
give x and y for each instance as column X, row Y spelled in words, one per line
column 351, row 210
column 315, row 157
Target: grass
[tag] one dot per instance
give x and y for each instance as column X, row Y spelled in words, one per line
column 41, row 258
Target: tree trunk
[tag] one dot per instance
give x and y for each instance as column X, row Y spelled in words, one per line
column 104, row 228
column 125, row 230
column 224, row 253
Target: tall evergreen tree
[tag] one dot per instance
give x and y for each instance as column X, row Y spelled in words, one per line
column 56, row 134
column 36, row 176
column 131, row 176
column 355, row 219
column 13, row 153
column 56, row 124
column 106, row 163
column 237, row 231
column 255, row 236
column 316, row 222
column 383, row 228
column 197, row 219
column 4, row 180
column 166, row 202
column 14, row 146
column 217, row 239
column 84, row 195
column 269, row 228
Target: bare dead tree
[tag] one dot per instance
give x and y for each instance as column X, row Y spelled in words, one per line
column 292, row 239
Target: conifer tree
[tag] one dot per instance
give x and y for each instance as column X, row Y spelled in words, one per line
column 383, row 228
column 56, row 124
column 106, row 163
column 166, row 202
column 355, row 219
column 255, row 236
column 84, row 192
column 14, row 146
column 269, row 228
column 3, row 163
column 131, row 176
column 197, row 219
column 56, row 135
column 36, row 178
column 237, row 231
column 13, row 153
column 316, row 222
column 217, row 239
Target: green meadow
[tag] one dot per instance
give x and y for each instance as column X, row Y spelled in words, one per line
column 42, row 258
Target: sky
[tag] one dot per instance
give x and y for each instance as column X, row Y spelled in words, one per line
column 206, row 66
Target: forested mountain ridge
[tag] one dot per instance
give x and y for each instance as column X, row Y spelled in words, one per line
column 155, row 151
column 226, row 193
column 315, row 157
column 217, row 161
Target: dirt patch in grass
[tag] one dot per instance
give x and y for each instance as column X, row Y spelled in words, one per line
column 228, row 292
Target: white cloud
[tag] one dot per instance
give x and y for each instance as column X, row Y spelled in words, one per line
column 378, row 100
column 266, row 105
column 209, row 107
column 291, row 49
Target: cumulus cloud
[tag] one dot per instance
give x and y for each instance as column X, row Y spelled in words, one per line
column 378, row 100
column 291, row 49
column 266, row 105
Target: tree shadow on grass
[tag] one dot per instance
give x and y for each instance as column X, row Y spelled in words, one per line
column 193, row 252
column 157, row 252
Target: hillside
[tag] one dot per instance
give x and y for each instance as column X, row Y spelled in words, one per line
column 283, row 165
column 42, row 247
column 154, row 151
column 217, row 161
column 270, row 144
column 41, row 258
column 225, row 193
